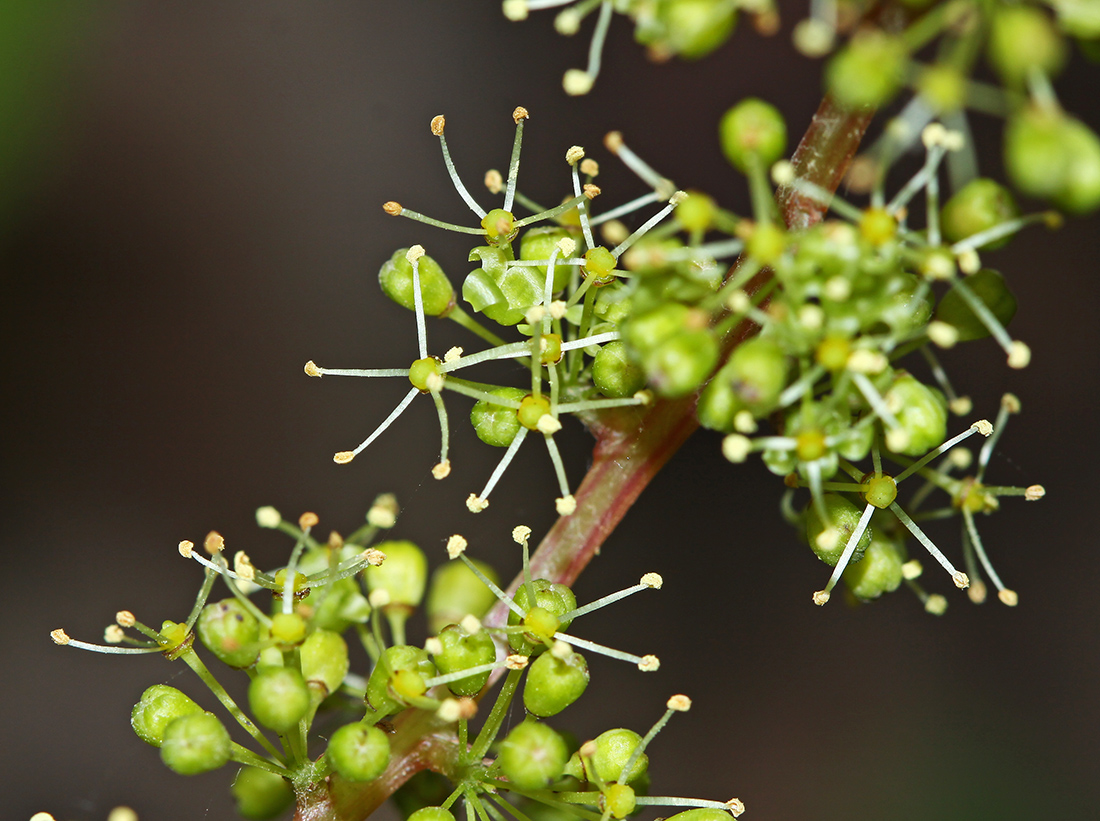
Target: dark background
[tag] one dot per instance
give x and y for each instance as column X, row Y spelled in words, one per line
column 190, row 210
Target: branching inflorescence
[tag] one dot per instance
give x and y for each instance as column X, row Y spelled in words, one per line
column 613, row 323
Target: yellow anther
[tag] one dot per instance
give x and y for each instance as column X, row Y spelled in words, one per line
column 343, row 457
column 653, row 580
column 213, row 543
column 520, row 113
column 439, row 122
column 186, row 548
column 392, row 208
column 680, row 703
column 311, row 369
column 442, row 470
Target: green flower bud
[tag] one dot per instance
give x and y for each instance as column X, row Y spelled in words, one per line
column 906, row 307
column 921, row 411
column 159, row 705
column 358, row 752
column 497, row 425
column 230, row 632
column 279, row 698
column 554, row 683
column 461, row 651
column 828, row 539
column 758, row 370
column 943, row 87
column 396, row 280
column 613, row 372
column 645, row 332
column 455, row 592
column 868, row 71
column 501, row 292
column 324, row 659
column 260, row 795
column 679, row 365
column 719, row 403
column 539, row 243
column 692, row 28
column 979, row 205
column 753, row 131
column 381, row 697
column 613, row 750
column 1023, row 39
column 195, row 743
column 766, row 243
column 288, row 628
column 532, row 755
column 338, row 606
column 696, row 213
column 879, row 571
column 551, row 598
column 991, row 288
column 404, row 574
column 1054, row 156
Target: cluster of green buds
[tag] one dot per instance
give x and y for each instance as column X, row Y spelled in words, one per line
column 690, row 29
column 875, row 53
column 545, row 277
column 310, row 719
column 652, row 314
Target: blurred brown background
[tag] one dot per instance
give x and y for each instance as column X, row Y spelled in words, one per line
column 189, row 210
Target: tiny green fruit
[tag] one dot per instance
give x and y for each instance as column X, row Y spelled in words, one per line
column 260, row 795
column 752, row 132
column 358, row 752
column 195, row 743
column 279, row 698
column 159, row 705
column 532, row 755
column 554, row 683
column 396, row 280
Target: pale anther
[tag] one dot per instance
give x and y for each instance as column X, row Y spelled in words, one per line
column 243, row 567
column 311, row 369
column 1011, row 403
column 911, row 570
column 961, row 580
column 736, row 806
column 59, row 636
column 113, row 634
column 456, row 545
column 470, row 623
column 520, row 534
column 453, row 355
column 494, row 181
column 268, row 516
column 515, row 661
column 574, row 155
column 821, row 597
column 433, row 646
column 1019, row 355
column 442, row 470
column 565, row 505
column 649, row 664
column 1034, row 493
column 475, row 504
column 560, row 649
column 1008, row 597
column 736, row 448
column 186, row 547
column 343, row 457
column 983, row 427
column 439, row 122
column 590, row 191
column 590, row 167
column 653, row 580
column 307, row 520
column 414, row 253
column 373, row 556
column 213, row 543
column 680, row 703
column 379, row 598
column 548, row 425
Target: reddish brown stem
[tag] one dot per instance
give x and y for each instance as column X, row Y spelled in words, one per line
column 631, row 446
